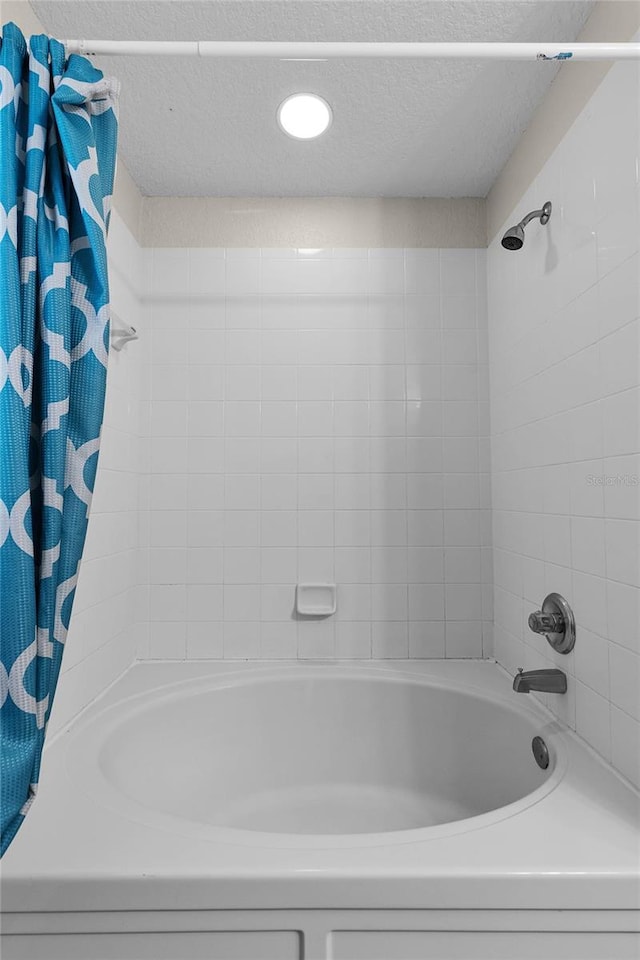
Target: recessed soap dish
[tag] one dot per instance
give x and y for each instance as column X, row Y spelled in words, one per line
column 316, row 599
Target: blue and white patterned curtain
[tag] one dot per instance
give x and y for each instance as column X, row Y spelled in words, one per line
column 58, row 132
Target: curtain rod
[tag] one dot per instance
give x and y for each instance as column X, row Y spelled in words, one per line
column 323, row 50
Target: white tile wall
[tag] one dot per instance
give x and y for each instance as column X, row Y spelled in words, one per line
column 565, row 411
column 110, row 608
column 318, row 415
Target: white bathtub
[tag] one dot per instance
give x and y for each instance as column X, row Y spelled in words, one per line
column 389, row 810
column 315, row 756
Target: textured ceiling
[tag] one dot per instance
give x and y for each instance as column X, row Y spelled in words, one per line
column 433, row 128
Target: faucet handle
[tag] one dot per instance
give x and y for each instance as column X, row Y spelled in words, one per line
column 544, row 621
column 556, row 622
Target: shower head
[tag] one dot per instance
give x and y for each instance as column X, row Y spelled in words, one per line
column 514, row 236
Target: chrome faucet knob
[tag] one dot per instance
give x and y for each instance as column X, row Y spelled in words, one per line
column 555, row 621
column 546, row 622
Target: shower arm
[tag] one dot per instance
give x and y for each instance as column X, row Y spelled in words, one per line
column 325, row 50
column 543, row 214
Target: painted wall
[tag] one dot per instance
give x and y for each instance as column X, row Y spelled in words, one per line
column 569, row 94
column 452, row 222
column 318, row 415
column 565, row 407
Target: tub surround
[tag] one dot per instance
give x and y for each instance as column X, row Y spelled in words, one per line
column 564, row 340
column 318, row 415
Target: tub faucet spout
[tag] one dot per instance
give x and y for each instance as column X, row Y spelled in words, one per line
column 545, row 681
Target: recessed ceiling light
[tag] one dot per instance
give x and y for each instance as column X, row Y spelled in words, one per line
column 304, row 116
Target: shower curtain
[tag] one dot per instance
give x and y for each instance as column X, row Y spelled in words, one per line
column 58, row 132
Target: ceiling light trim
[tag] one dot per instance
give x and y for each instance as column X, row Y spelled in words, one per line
column 290, row 119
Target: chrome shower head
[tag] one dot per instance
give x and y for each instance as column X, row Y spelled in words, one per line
column 514, row 236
